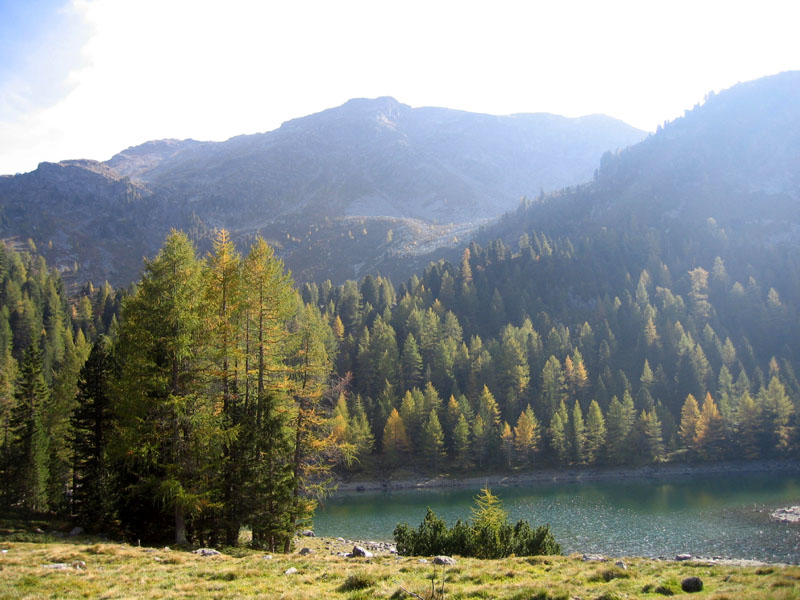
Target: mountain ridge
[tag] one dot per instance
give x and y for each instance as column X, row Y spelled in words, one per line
column 432, row 169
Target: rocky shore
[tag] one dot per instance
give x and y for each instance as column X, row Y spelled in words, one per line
column 569, row 475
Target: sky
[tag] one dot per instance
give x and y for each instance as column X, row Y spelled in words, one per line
column 88, row 78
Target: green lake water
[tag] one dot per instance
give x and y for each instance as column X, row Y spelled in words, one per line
column 725, row 515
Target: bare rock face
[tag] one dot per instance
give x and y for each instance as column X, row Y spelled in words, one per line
column 787, row 515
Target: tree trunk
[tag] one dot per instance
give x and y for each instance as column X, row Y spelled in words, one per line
column 180, row 525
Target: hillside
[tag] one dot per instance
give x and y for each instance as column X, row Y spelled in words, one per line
column 430, row 174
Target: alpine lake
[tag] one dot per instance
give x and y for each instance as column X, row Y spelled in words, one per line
column 724, row 515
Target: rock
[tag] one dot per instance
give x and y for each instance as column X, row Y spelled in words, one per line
column 340, row 539
column 79, row 564
column 360, row 488
column 308, row 533
column 38, row 530
column 57, row 566
column 787, row 515
column 683, row 557
column 594, row 558
column 362, row 552
column 290, row 571
column 267, row 557
column 76, row 531
column 423, row 561
column 304, row 551
column 621, row 564
column 206, row 552
column 444, row 560
column 692, row 584
column 166, row 549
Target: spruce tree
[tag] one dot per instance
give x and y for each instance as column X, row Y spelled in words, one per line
column 29, row 446
column 91, row 429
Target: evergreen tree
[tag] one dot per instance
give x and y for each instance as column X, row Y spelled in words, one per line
column 595, row 432
column 29, row 446
column 619, row 425
column 91, row 422
column 691, row 428
column 395, row 440
column 169, row 430
column 577, row 435
column 526, row 436
column 461, row 442
column 432, row 439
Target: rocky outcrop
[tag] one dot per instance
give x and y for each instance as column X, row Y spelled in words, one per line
column 787, row 515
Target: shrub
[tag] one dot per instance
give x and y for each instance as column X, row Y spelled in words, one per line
column 489, row 535
column 357, row 581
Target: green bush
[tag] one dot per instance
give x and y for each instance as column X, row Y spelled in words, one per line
column 489, row 535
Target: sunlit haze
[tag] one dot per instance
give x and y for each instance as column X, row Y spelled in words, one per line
column 85, row 79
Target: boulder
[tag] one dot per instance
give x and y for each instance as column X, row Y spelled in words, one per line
column 57, row 566
column 304, row 551
column 267, row 557
column 308, row 533
column 79, row 564
column 594, row 558
column 787, row 515
column 683, row 557
column 621, row 564
column 207, row 552
column 362, row 552
column 692, row 584
column 290, row 571
column 444, row 560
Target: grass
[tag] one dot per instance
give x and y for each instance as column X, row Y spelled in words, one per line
column 121, row 571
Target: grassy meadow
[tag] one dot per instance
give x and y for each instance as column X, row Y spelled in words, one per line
column 114, row 570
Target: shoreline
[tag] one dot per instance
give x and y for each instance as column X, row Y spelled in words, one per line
column 575, row 475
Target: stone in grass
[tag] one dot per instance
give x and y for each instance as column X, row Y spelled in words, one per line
column 290, row 571
column 308, row 533
column 207, row 552
column 683, row 557
column 79, row 564
column 57, row 566
column 594, row 558
column 621, row 564
column 267, row 557
column 361, row 552
column 444, row 560
column 692, row 584
column 304, row 551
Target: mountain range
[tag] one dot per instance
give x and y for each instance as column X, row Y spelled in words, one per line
column 340, row 193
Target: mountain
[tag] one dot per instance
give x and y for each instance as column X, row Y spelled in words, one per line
column 358, row 185
column 732, row 163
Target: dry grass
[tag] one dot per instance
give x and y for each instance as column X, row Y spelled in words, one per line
column 122, row 571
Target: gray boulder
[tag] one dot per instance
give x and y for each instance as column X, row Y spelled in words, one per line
column 683, row 557
column 692, row 584
column 308, row 533
column 207, row 552
column 444, row 560
column 594, row 558
column 290, row 571
column 305, row 551
column 362, row 552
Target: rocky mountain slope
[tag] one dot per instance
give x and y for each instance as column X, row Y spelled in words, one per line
column 730, row 166
column 339, row 192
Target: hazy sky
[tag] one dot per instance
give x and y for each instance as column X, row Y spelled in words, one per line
column 87, row 78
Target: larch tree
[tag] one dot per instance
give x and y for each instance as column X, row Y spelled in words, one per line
column 170, row 431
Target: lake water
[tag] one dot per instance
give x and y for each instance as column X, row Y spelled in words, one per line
column 723, row 515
